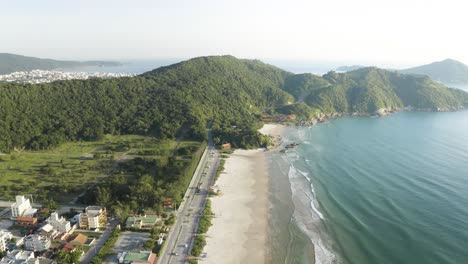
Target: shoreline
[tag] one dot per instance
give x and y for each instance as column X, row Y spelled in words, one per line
column 240, row 230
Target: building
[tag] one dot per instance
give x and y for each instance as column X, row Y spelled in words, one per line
column 145, row 221
column 93, row 217
column 142, row 257
column 79, row 239
column 37, row 242
column 226, row 146
column 167, row 203
column 40, row 260
column 59, row 223
column 5, row 237
column 26, row 221
column 67, row 247
column 48, row 231
column 22, row 207
column 17, row 256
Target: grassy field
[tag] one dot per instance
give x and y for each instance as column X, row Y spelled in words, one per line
column 73, row 167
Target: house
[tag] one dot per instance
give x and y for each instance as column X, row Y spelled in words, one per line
column 67, row 247
column 142, row 257
column 26, row 221
column 226, row 146
column 59, row 223
column 93, row 217
column 37, row 242
column 47, row 230
column 79, row 239
column 145, row 221
column 5, row 237
column 22, row 207
column 167, row 203
column 17, row 256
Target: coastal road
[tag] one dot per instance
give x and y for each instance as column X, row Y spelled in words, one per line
column 180, row 239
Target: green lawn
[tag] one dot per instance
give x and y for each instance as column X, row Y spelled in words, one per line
column 72, row 167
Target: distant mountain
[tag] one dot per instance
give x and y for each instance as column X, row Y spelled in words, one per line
column 12, row 63
column 447, row 71
column 347, row 68
column 370, row 90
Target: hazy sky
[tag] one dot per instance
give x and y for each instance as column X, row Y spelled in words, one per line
column 372, row 31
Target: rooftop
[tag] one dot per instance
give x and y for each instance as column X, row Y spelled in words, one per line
column 136, row 256
column 80, row 239
column 47, row 228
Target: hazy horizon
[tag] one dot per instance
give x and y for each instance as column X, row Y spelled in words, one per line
column 381, row 33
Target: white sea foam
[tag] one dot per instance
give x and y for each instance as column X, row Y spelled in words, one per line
column 308, row 216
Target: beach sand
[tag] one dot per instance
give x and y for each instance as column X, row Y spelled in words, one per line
column 240, row 227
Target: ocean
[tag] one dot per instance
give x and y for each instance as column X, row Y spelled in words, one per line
column 141, row 66
column 367, row 190
column 129, row 66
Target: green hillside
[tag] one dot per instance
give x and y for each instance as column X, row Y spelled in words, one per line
column 180, row 99
column 12, row 63
column 370, row 89
column 164, row 103
column 447, row 71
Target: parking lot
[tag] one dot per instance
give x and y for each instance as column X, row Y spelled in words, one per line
column 129, row 241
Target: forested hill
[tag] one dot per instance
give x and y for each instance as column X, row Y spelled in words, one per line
column 164, row 103
column 181, row 98
column 366, row 90
column 446, row 71
column 12, row 63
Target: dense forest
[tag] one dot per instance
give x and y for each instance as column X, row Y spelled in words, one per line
column 12, row 63
column 182, row 98
column 366, row 90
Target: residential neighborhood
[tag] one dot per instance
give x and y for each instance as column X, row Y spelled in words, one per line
column 43, row 76
column 31, row 235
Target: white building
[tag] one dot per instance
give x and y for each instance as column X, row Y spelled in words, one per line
column 22, row 207
column 17, row 256
column 37, row 242
column 59, row 223
column 5, row 237
column 93, row 217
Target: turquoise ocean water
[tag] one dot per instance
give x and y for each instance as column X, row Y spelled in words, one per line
column 377, row 190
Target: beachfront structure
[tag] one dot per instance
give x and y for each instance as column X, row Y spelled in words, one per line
column 22, row 207
column 145, row 221
column 17, row 256
column 37, row 242
column 5, row 237
column 93, row 217
column 59, row 223
column 142, row 257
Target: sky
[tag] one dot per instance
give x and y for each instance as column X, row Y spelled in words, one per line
column 390, row 32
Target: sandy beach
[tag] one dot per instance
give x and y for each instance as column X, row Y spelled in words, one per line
column 240, row 227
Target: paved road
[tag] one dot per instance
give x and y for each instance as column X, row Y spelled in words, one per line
column 86, row 258
column 188, row 216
